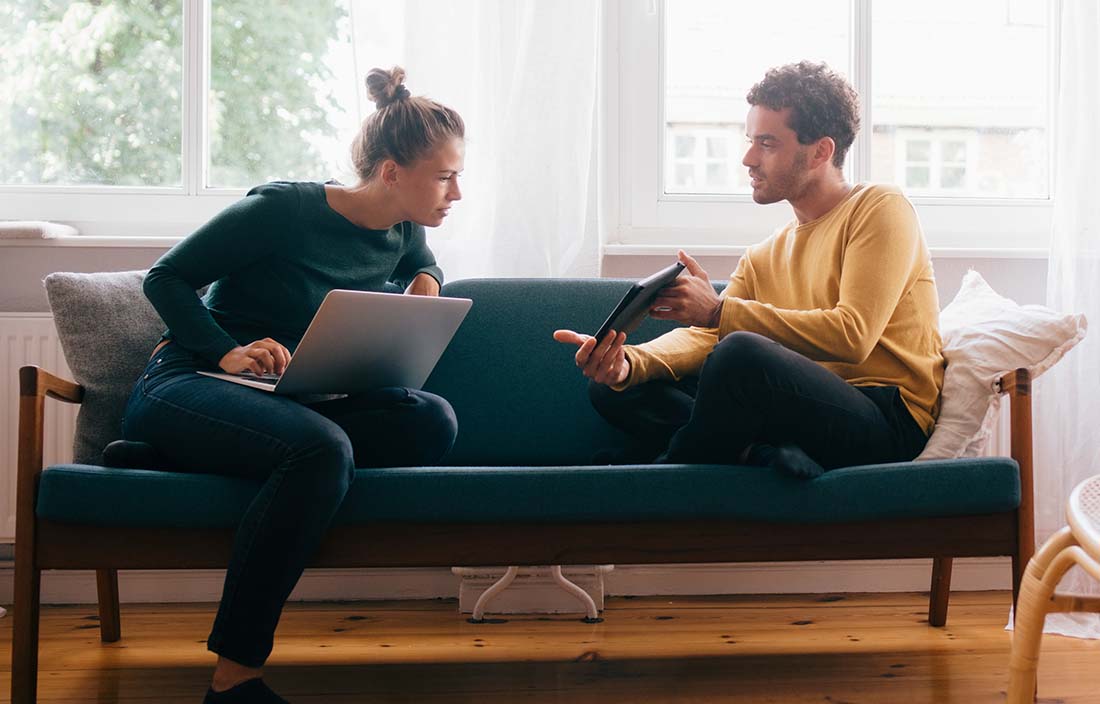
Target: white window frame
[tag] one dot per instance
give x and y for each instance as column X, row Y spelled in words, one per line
column 700, row 161
column 143, row 215
column 648, row 220
column 904, row 135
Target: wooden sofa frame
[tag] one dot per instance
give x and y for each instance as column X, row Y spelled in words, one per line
column 47, row 545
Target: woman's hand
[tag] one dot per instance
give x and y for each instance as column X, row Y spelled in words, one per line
column 260, row 357
column 603, row 363
column 689, row 299
column 423, row 285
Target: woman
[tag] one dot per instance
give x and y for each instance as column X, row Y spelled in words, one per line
column 271, row 258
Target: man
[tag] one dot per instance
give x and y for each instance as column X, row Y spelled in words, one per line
column 824, row 350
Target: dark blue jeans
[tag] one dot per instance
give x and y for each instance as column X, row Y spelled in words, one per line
column 754, row 390
column 305, row 455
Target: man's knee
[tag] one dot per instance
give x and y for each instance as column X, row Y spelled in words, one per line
column 601, row 395
column 745, row 350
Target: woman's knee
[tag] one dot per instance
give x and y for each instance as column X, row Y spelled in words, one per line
column 434, row 424
column 324, row 460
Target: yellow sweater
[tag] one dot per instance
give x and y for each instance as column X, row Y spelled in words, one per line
column 852, row 290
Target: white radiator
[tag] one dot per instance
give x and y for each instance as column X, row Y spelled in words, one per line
column 29, row 338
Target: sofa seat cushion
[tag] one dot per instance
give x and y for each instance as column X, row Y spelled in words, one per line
column 87, row 494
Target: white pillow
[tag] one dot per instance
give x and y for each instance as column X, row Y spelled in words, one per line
column 986, row 335
column 35, row 230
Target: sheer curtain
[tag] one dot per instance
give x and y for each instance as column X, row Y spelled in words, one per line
column 1067, row 404
column 522, row 73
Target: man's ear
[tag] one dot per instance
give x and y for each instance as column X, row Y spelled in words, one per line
column 388, row 172
column 823, row 151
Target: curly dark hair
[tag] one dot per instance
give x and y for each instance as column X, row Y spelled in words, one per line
column 822, row 103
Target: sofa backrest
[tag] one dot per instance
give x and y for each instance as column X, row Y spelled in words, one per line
column 518, row 395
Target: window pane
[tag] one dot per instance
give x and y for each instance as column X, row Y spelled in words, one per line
column 916, row 177
column 685, row 146
column 952, row 177
column 685, row 175
column 717, row 177
column 917, row 150
column 717, row 147
column 954, row 152
column 282, row 101
column 715, row 50
column 90, row 93
column 996, row 90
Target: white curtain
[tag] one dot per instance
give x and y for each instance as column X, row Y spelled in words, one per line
column 522, row 73
column 1067, row 403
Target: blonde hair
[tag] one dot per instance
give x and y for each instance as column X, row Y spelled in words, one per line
column 403, row 128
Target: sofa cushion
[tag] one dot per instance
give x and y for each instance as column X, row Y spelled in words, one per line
column 142, row 498
column 518, row 395
column 107, row 329
column 986, row 335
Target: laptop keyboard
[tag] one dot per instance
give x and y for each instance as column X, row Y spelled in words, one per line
column 269, row 377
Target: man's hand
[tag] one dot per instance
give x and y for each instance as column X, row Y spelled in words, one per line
column 260, row 357
column 603, row 363
column 689, row 299
column 423, row 285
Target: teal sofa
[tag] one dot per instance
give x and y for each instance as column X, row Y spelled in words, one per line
column 518, row 487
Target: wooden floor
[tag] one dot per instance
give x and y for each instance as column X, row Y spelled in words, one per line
column 855, row 649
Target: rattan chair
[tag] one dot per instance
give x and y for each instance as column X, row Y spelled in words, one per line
column 1077, row 544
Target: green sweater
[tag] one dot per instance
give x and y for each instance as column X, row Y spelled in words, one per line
column 271, row 258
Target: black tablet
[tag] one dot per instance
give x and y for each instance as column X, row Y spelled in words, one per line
column 634, row 306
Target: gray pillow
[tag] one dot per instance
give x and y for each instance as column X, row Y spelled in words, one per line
column 107, row 329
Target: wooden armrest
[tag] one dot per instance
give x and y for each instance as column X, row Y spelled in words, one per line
column 37, row 382
column 34, row 386
column 1015, row 383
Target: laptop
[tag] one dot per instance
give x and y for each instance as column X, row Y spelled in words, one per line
column 362, row 340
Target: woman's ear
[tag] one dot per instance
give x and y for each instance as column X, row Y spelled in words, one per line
column 388, row 172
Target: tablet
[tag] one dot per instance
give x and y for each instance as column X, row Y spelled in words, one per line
column 634, row 306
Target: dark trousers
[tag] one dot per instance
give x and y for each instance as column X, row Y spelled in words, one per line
column 305, row 455
column 753, row 390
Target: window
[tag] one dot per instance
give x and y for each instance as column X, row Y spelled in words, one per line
column 955, row 100
column 146, row 118
column 705, row 158
column 931, row 162
column 90, row 94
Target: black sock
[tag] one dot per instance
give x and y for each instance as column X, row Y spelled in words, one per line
column 252, row 691
column 129, row 454
column 788, row 459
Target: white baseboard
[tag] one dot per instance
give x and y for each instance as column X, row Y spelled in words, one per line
column 161, row 586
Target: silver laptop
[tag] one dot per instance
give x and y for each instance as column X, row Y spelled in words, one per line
column 360, row 340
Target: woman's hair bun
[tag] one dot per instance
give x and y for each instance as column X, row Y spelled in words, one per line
column 385, row 87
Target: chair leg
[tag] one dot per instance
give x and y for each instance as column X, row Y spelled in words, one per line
column 25, row 615
column 110, row 627
column 940, row 591
column 1036, row 590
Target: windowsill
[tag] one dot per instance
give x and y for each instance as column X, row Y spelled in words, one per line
column 94, row 241
column 642, row 250
column 608, row 250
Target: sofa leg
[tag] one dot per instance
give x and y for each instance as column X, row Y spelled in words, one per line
column 940, row 591
column 110, row 628
column 25, row 615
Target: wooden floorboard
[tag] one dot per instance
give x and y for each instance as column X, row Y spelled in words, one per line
column 858, row 649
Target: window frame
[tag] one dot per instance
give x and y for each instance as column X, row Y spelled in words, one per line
column 652, row 219
column 144, row 214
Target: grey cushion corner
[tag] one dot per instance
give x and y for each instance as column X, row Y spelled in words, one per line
column 107, row 329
